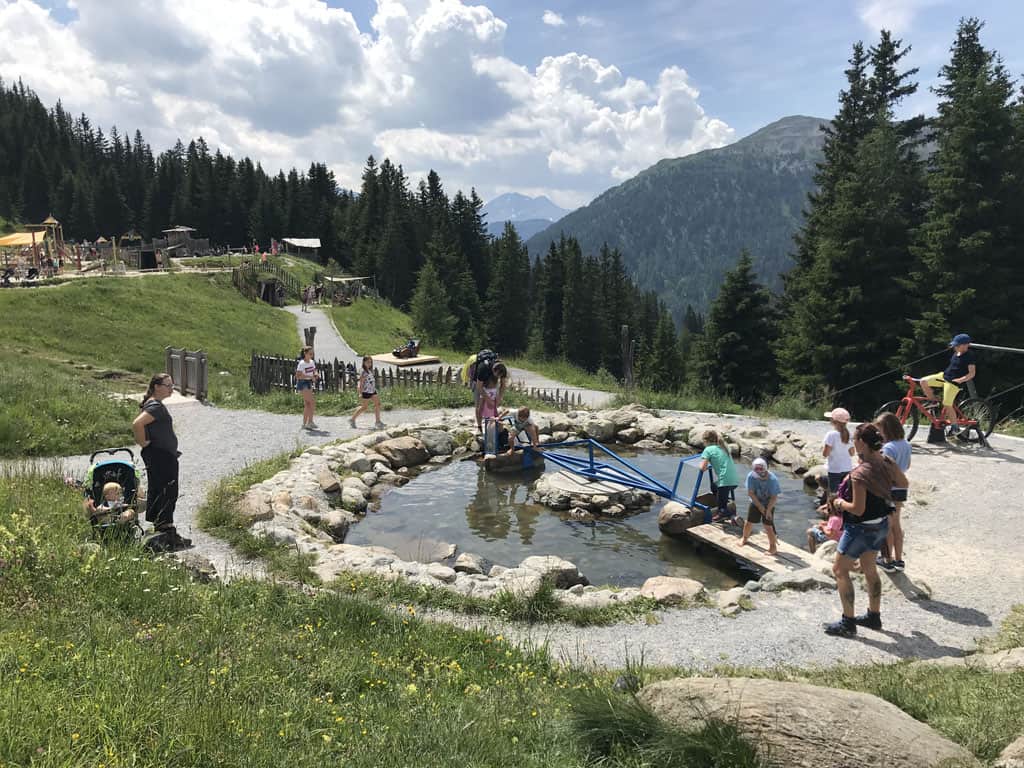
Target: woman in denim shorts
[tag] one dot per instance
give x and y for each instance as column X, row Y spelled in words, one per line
column 865, row 527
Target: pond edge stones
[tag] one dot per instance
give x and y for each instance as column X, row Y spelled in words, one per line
column 313, row 503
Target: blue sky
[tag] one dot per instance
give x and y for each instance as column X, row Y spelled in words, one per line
column 562, row 98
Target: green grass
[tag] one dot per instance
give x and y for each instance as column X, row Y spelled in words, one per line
column 49, row 409
column 567, row 373
column 1011, row 632
column 373, row 327
column 780, row 407
column 110, row 658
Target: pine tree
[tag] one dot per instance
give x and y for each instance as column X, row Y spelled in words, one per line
column 735, row 356
column 508, row 311
column 661, row 368
column 431, row 318
column 970, row 242
column 551, row 289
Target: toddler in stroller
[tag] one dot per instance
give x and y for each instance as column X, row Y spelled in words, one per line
column 111, row 491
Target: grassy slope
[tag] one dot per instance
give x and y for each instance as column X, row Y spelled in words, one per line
column 109, row 657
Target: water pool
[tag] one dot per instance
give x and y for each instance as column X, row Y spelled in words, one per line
column 490, row 515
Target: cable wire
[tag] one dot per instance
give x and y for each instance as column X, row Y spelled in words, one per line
column 889, row 373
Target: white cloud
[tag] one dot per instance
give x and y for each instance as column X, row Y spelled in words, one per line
column 589, row 21
column 894, row 15
column 553, row 19
column 428, row 84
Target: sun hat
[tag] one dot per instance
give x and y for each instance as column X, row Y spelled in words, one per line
column 838, row 414
column 760, row 464
column 960, row 338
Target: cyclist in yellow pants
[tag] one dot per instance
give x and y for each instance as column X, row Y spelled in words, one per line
column 960, row 370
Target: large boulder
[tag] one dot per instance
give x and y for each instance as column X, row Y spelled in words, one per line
column 254, row 506
column 564, row 490
column 1012, row 756
column 998, row 661
column 337, row 523
column 329, row 482
column 800, row 580
column 467, row 562
column 806, row 726
column 521, row 582
column 675, row 519
column 602, row 430
column 404, row 451
column 562, row 573
column 672, row 590
column 437, row 441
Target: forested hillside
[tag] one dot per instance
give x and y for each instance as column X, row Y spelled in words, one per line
column 681, row 223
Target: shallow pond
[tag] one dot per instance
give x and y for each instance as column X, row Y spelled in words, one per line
column 490, row 515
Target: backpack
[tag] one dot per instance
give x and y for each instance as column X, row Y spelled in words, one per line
column 485, row 360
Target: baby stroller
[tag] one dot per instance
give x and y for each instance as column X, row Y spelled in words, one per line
column 107, row 515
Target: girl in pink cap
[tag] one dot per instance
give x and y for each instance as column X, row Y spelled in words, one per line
column 837, row 448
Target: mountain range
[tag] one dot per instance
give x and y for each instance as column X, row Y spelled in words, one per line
column 682, row 223
column 530, row 214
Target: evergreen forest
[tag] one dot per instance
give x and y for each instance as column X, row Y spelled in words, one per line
column 914, row 232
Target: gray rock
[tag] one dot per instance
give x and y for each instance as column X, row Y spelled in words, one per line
column 369, row 479
column 254, row 506
column 752, row 586
column 278, row 534
column 440, row 572
column 561, row 572
column 629, row 435
column 360, row 463
column 467, row 562
column 1012, row 756
column 353, row 500
column 812, row 475
column 672, row 590
column 800, row 580
column 356, row 484
column 757, row 707
column 675, row 519
column 730, row 597
column 437, row 442
column 199, row 567
column 496, row 570
column 998, row 661
column 337, row 523
column 522, row 582
column 329, row 482
column 405, row 451
column 602, row 430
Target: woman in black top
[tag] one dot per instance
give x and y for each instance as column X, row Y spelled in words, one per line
column 154, row 431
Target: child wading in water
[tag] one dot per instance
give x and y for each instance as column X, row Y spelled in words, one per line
column 367, row 393
column 898, row 449
column 306, row 376
column 716, row 456
column 837, row 448
column 763, row 489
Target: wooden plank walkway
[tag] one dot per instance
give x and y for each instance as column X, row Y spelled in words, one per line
column 755, row 553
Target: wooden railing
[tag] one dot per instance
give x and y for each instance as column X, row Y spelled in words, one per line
column 245, row 276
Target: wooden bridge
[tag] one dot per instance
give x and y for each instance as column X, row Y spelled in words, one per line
column 755, row 554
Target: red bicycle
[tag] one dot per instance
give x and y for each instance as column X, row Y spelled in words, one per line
column 975, row 416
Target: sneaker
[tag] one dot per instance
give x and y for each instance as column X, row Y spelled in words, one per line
column 489, row 456
column 954, row 429
column 885, row 565
column 898, row 565
column 842, row 628
column 352, row 423
column 380, row 425
column 313, row 425
column 869, row 620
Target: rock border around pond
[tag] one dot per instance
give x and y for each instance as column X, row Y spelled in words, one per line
column 313, row 503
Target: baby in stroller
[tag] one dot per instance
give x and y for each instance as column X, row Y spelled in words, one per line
column 111, row 491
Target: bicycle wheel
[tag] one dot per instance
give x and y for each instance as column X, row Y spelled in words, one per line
column 983, row 414
column 909, row 423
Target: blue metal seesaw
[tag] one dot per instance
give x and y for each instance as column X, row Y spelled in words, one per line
column 622, row 472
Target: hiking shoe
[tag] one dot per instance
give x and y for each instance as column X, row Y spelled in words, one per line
column 898, row 565
column 380, row 425
column 885, row 565
column 313, row 425
column 843, row 628
column 869, row 620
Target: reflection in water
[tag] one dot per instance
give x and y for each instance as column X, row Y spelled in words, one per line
column 490, row 514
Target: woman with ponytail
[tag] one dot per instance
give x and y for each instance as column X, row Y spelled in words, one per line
column 837, row 448
column 154, row 431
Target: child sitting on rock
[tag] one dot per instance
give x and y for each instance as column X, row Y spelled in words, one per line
column 830, row 529
column 519, row 424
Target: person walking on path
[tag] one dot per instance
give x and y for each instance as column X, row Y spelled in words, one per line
column 837, row 448
column 305, row 298
column 368, row 393
column 153, row 429
column 898, row 449
column 724, row 482
column 865, row 527
column 306, row 376
column 763, row 489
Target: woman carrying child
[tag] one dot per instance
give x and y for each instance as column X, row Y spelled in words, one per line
column 898, row 449
column 837, row 448
column 368, row 393
column 716, row 456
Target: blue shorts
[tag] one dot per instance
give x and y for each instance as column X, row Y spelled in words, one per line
column 859, row 538
column 819, row 535
column 303, row 384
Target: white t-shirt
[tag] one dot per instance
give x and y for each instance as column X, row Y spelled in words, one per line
column 839, row 458
column 306, row 368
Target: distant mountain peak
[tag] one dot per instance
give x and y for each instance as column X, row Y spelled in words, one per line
column 513, row 206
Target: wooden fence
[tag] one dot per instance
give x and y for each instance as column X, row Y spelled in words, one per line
column 246, row 276
column 270, row 372
column 189, row 371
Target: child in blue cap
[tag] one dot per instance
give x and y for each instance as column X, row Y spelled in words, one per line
column 960, row 370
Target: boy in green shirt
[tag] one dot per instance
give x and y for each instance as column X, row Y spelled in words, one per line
column 723, row 480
